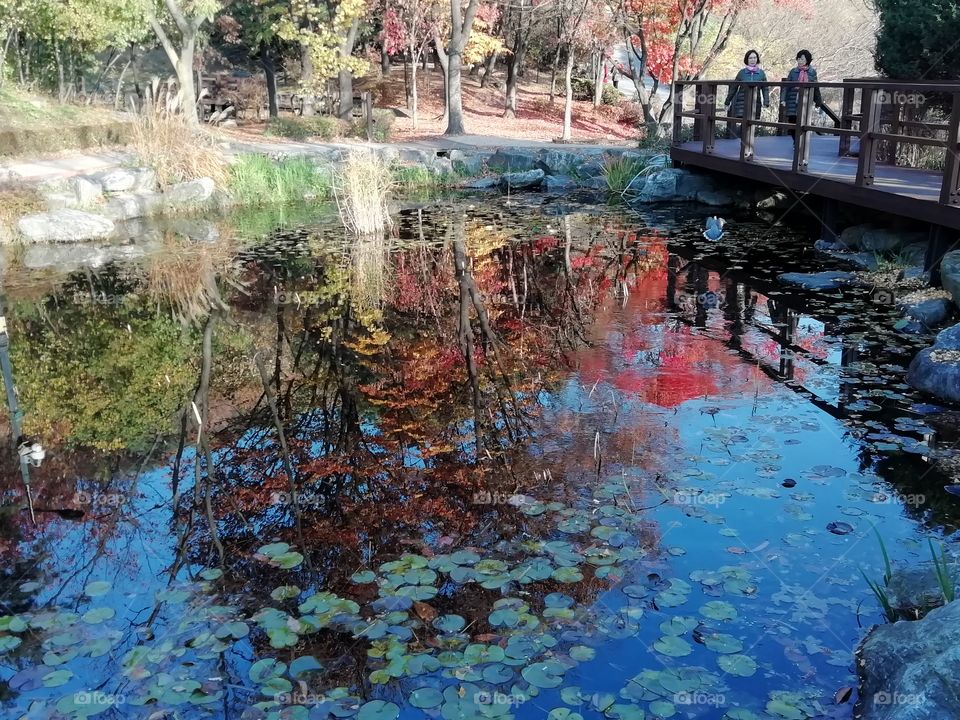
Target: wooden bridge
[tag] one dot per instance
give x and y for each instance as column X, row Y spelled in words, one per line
column 892, row 147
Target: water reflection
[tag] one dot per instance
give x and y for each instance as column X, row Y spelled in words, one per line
column 564, row 430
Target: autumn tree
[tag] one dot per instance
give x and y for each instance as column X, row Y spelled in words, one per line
column 450, row 54
column 519, row 18
column 572, row 22
column 177, row 25
column 409, row 26
column 326, row 31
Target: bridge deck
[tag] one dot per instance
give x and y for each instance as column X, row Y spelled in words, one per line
column 911, row 192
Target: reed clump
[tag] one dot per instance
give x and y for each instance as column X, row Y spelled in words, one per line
column 361, row 187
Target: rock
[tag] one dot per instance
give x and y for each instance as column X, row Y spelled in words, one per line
column 595, row 183
column 416, row 156
column 914, row 253
column 827, row 280
column 191, row 192
column 865, row 260
column 560, row 162
column 915, row 272
column 441, row 166
column 914, row 590
column 852, row 235
column 116, row 180
column 146, row 180
column 590, row 169
column 60, row 200
column 886, row 239
column 929, row 313
column 522, row 180
column 126, row 206
column 486, row 183
column 557, row 183
column 907, row 669
column 388, row 154
column 196, row 229
column 42, row 255
column 64, row 226
column 936, row 370
column 773, row 200
column 85, row 191
column 469, row 164
column 689, row 185
column 512, row 161
column 950, row 274
column 715, row 198
column 661, row 186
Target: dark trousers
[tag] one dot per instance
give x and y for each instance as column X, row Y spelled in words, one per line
column 792, row 119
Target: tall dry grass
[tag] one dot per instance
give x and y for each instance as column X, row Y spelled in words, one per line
column 184, row 276
column 177, row 152
column 360, row 187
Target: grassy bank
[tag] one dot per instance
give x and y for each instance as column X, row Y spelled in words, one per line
column 259, row 180
column 30, row 124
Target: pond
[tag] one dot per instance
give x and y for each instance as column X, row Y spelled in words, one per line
column 526, row 458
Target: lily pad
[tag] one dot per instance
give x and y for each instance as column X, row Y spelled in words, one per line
column 672, row 646
column 97, row 588
column 378, row 710
column 739, row 665
column 426, row 698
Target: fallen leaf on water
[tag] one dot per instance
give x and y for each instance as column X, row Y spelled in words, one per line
column 736, row 550
column 424, row 611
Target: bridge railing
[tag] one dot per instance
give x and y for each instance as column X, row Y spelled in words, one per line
column 877, row 119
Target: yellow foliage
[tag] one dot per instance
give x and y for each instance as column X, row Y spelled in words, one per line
column 481, row 44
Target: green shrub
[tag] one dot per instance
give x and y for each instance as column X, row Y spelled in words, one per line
column 610, row 95
column 382, row 126
column 260, row 180
column 300, row 128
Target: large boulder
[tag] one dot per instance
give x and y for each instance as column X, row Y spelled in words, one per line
column 522, row 180
column 85, row 191
column 928, row 313
column 715, row 198
column 913, row 590
column 768, row 199
column 827, row 280
column 485, row 183
column 936, row 369
column 689, row 185
column 116, row 180
column 64, row 225
column 853, row 235
column 950, row 274
column 907, row 670
column 560, row 162
column 512, row 161
column 126, row 206
column 888, row 239
column 661, row 186
column 192, row 192
column 558, row 183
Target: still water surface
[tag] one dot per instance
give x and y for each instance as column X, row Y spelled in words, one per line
column 512, row 461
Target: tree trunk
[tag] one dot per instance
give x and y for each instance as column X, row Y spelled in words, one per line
column 3, row 56
column 345, row 80
column 510, row 106
column 598, row 81
column 306, row 81
column 188, row 92
column 384, row 62
column 461, row 25
column 488, row 69
column 61, row 82
column 123, row 72
column 270, row 71
column 413, row 90
column 568, row 103
column 553, row 73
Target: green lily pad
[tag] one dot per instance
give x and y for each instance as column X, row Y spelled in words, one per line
column 94, row 616
column 263, row 670
column 663, row 709
column 274, row 549
column 740, row 665
column 563, row 713
column 303, row 665
column 544, row 675
column 378, row 710
column 582, row 653
column 719, row 610
column 362, row 578
column 449, row 623
column 287, row 560
column 672, row 646
column 722, row 643
column 425, row 698
column 97, row 588
column 57, row 678
column 211, row 573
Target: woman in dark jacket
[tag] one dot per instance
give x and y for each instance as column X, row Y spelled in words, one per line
column 737, row 96
column 803, row 72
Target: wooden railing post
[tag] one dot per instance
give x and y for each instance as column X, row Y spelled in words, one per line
column 846, row 122
column 801, row 145
column 677, row 117
column 748, row 129
column 698, row 109
column 867, row 162
column 368, row 111
column 950, row 189
column 710, row 118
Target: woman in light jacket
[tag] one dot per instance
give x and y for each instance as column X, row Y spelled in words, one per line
column 803, row 72
column 737, row 96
